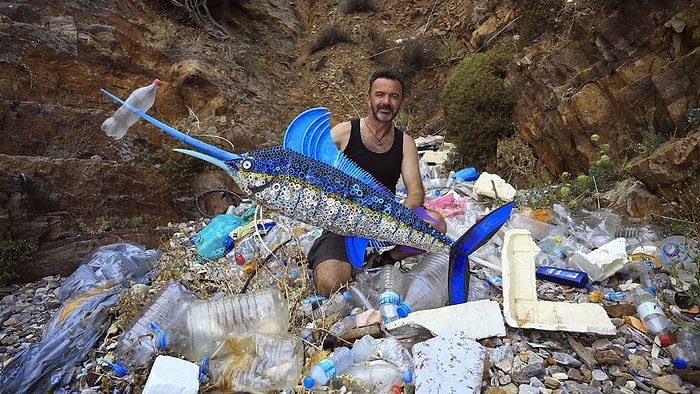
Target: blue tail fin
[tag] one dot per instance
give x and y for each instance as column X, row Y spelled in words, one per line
column 471, row 240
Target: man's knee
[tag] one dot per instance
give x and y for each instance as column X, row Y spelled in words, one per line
column 331, row 275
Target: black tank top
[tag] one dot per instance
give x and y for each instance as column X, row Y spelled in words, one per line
column 385, row 167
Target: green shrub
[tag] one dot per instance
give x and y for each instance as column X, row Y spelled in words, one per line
column 13, row 254
column 477, row 105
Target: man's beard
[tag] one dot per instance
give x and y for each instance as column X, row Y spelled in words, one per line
column 383, row 117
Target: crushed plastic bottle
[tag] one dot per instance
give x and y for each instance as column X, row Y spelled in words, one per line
column 257, row 363
column 339, row 303
column 323, row 371
column 342, row 326
column 425, row 286
column 478, row 289
column 364, row 348
column 377, row 376
column 142, row 98
column 204, row 324
column 139, row 340
column 391, row 350
column 686, row 350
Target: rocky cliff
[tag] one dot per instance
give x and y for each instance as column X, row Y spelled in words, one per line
column 235, row 74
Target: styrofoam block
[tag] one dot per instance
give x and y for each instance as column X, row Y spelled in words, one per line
column 454, row 317
column 520, row 305
column 489, row 185
column 603, row 262
column 451, row 363
column 171, row 375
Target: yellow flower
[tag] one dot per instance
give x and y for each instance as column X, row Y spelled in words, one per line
column 595, row 137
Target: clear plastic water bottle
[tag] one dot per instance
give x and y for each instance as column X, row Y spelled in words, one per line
column 204, row 324
column 139, row 340
column 257, row 363
column 338, row 304
column 649, row 311
column 391, row 350
column 478, row 289
column 364, row 348
column 376, row 377
column 389, row 277
column 328, row 368
column 359, row 294
column 342, row 326
column 142, row 98
column 686, row 350
column 425, row 286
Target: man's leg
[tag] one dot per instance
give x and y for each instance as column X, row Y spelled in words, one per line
column 331, row 275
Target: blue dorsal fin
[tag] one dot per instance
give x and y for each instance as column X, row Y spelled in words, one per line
column 294, row 136
column 310, row 134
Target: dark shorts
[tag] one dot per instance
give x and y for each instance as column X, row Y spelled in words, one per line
column 327, row 246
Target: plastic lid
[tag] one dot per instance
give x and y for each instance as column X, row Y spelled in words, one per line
column 680, row 363
column 665, row 340
column 308, row 382
column 118, row 369
column 346, row 295
column 407, row 376
column 157, row 82
column 403, row 309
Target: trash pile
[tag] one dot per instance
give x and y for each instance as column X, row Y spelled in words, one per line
column 556, row 304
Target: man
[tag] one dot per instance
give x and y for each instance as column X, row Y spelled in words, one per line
column 384, row 151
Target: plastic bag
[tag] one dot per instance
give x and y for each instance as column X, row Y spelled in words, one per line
column 67, row 338
column 115, row 263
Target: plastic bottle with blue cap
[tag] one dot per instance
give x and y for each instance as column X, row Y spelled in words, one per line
column 389, row 277
column 424, row 286
column 686, row 351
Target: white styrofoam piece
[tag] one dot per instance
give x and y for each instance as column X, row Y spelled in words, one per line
column 456, row 317
column 520, row 305
column 171, row 375
column 451, row 363
column 603, row 262
column 486, row 183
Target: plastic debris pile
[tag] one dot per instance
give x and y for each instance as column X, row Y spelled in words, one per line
column 230, row 306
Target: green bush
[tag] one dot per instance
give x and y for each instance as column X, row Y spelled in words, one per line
column 14, row 253
column 477, row 105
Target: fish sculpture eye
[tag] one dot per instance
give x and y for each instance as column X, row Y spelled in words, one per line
column 247, row 164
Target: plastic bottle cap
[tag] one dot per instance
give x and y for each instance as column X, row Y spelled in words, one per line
column 407, row 376
column 680, row 363
column 665, row 340
column 403, row 309
column 308, row 382
column 157, row 82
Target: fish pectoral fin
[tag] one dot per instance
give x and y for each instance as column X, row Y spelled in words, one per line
column 356, row 247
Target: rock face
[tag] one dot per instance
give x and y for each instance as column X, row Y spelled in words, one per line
column 624, row 70
column 615, row 70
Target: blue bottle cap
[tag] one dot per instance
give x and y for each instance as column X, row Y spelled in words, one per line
column 407, row 376
column 680, row 363
column 308, row 382
column 403, row 309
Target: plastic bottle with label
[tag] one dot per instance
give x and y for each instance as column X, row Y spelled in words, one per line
column 139, row 340
column 142, row 98
column 389, row 277
column 323, row 371
column 649, row 311
column 204, row 324
column 424, row 286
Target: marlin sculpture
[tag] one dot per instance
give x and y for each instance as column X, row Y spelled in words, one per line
column 310, row 180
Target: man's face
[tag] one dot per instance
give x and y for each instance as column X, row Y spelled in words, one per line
column 385, row 99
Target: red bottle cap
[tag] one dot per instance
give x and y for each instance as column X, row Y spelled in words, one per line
column 157, row 82
column 665, row 340
column 395, row 389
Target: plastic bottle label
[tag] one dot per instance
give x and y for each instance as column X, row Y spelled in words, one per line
column 648, row 308
column 328, row 368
